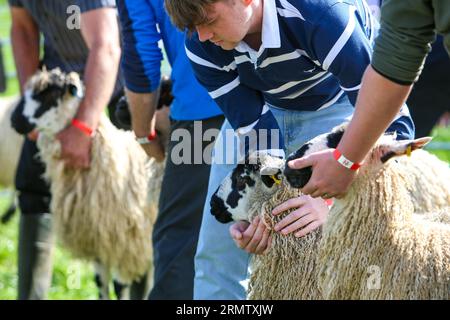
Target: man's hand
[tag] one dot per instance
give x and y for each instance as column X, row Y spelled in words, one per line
column 155, row 149
column 75, row 148
column 310, row 214
column 329, row 179
column 254, row 238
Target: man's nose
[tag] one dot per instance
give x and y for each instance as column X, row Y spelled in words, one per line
column 203, row 33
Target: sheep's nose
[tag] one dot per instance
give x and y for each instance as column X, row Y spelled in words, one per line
column 219, row 210
column 297, row 178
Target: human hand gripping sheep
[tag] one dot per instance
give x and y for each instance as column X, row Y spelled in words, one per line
column 255, row 237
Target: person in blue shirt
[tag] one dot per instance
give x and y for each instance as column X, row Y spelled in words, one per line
column 144, row 23
column 290, row 69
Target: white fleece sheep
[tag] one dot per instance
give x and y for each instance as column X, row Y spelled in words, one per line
column 10, row 143
column 101, row 214
column 286, row 271
column 290, row 269
column 10, row 147
column 379, row 241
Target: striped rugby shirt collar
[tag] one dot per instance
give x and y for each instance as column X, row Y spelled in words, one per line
column 312, row 53
column 270, row 33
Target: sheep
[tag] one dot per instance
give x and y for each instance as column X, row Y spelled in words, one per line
column 374, row 245
column 10, row 147
column 255, row 187
column 289, row 269
column 104, row 214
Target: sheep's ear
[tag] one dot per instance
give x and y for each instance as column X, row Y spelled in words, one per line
column 403, row 147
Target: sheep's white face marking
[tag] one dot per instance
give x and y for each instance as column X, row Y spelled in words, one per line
column 248, row 182
column 52, row 99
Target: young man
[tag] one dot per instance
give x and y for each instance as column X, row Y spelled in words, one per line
column 184, row 185
column 399, row 55
column 292, row 66
column 91, row 49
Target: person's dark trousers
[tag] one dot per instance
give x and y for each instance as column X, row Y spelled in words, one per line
column 176, row 230
column 35, row 234
column 430, row 96
column 35, row 256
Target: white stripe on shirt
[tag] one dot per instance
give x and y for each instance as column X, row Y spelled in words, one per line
column 342, row 39
column 284, row 57
column 299, row 93
column 225, row 89
column 294, row 83
column 352, row 88
column 289, row 11
column 246, row 129
column 208, row 64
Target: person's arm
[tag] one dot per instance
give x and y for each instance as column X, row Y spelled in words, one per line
column 141, row 64
column 25, row 44
column 142, row 109
column 100, row 31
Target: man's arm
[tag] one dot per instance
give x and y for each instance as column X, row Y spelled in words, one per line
column 100, row 32
column 141, row 64
column 25, row 44
column 142, row 108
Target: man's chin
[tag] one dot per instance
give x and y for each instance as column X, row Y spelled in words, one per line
column 228, row 45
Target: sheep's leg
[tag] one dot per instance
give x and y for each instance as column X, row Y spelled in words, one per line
column 9, row 213
column 122, row 290
column 102, row 280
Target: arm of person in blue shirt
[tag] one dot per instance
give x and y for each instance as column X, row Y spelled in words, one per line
column 141, row 66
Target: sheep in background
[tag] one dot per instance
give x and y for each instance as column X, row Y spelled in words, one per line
column 102, row 214
column 10, row 148
column 254, row 188
column 420, row 165
column 374, row 245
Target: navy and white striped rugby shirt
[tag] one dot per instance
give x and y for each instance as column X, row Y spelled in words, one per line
column 312, row 53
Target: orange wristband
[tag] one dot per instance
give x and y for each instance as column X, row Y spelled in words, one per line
column 82, row 127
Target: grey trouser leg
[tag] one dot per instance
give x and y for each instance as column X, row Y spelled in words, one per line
column 176, row 230
column 35, row 256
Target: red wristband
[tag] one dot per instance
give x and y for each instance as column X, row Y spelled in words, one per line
column 152, row 135
column 339, row 157
column 147, row 139
column 82, row 127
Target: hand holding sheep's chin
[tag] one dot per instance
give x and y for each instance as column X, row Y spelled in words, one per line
column 329, row 179
column 310, row 214
column 252, row 237
column 75, row 148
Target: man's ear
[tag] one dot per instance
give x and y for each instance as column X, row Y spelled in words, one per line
column 400, row 148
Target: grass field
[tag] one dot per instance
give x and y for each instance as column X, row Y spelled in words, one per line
column 72, row 279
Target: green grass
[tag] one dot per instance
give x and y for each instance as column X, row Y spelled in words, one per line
column 72, row 279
